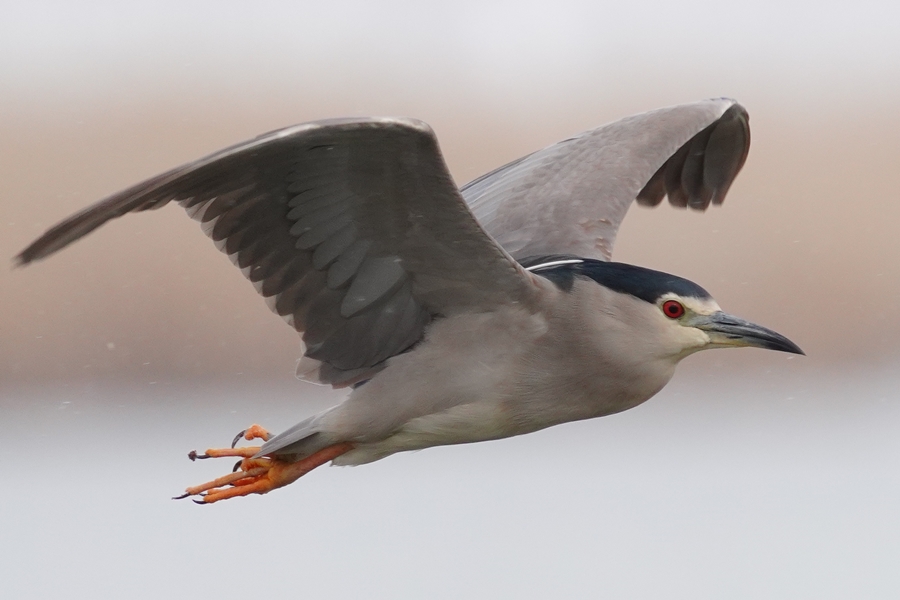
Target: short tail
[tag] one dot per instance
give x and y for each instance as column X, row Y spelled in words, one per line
column 302, row 440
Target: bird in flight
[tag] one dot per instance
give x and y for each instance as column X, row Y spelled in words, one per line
column 455, row 314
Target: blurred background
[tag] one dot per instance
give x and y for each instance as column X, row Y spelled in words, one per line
column 752, row 475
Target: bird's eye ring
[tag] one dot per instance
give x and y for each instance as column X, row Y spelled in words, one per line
column 673, row 309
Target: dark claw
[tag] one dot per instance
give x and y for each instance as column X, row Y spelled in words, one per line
column 237, row 438
column 194, row 456
column 181, row 497
column 236, row 466
column 199, row 501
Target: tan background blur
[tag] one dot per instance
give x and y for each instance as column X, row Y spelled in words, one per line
column 754, row 474
column 99, row 97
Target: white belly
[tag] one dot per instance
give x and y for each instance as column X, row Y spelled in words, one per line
column 458, row 425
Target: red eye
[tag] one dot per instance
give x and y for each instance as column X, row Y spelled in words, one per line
column 673, row 309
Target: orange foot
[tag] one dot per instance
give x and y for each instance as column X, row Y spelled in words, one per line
column 256, row 475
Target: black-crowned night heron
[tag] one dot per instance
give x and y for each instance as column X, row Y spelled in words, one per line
column 456, row 315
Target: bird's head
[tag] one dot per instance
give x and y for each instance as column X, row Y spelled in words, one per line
column 666, row 314
column 697, row 323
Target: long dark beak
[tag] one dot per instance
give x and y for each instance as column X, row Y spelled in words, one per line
column 726, row 330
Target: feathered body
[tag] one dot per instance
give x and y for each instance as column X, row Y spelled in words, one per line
column 483, row 376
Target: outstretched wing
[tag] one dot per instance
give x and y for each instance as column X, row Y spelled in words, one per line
column 352, row 229
column 571, row 197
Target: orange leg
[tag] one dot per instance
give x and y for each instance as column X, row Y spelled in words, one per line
column 257, row 475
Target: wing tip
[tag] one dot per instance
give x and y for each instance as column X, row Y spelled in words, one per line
column 21, row 259
column 18, row 261
column 37, row 250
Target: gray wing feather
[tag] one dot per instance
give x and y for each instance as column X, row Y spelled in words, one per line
column 571, row 197
column 352, row 230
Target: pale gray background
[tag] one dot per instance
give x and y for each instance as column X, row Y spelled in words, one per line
column 752, row 475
